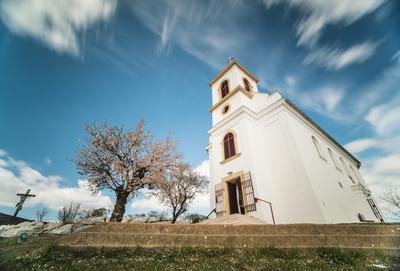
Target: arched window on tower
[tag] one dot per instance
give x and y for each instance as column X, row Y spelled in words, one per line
column 224, row 89
column 229, row 145
column 246, row 84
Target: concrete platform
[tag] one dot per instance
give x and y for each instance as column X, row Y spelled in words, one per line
column 366, row 236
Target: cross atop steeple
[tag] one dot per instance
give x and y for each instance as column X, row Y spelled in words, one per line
column 230, row 59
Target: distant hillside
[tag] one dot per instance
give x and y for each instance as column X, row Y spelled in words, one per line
column 10, row 220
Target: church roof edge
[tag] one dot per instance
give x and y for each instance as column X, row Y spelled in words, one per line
column 322, row 131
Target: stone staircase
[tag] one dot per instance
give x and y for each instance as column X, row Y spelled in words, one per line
column 359, row 236
column 236, row 219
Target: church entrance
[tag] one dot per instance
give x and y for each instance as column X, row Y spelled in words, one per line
column 235, row 197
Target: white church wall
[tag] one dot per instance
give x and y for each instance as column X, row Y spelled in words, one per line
column 339, row 204
column 277, row 175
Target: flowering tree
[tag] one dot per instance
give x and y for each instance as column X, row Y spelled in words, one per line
column 123, row 161
column 179, row 187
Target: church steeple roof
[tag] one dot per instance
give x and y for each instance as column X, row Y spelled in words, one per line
column 232, row 61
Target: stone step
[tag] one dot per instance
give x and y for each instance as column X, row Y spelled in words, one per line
column 234, row 219
column 115, row 239
column 386, row 236
column 261, row 229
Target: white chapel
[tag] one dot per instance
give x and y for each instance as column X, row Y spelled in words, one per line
column 269, row 160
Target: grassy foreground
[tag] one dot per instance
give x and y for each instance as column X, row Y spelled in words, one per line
column 43, row 254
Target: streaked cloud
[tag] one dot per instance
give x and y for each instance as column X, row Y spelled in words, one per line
column 191, row 26
column 48, row 161
column 331, row 97
column 318, row 14
column 290, row 81
column 385, row 118
column 59, row 24
column 361, row 145
column 2, row 153
column 325, row 100
column 336, row 59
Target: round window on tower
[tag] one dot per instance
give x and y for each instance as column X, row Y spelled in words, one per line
column 225, row 109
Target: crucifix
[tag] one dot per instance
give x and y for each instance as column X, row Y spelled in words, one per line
column 230, row 59
column 23, row 197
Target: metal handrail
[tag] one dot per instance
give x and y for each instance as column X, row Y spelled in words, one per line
column 212, row 211
column 270, row 206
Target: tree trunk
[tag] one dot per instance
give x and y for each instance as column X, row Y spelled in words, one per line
column 174, row 218
column 176, row 214
column 119, row 208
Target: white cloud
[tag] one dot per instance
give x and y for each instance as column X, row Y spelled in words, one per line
column 202, row 201
column 336, row 59
column 376, row 92
column 147, row 203
column 331, row 97
column 385, row 118
column 48, row 161
column 56, row 23
column 290, row 81
column 324, row 100
column 17, row 176
column 361, row 145
column 203, row 168
column 2, row 153
column 3, row 163
column 318, row 14
column 396, row 56
column 382, row 173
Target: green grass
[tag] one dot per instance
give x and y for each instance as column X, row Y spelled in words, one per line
column 43, row 254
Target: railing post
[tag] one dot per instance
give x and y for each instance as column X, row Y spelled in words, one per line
column 212, row 211
column 272, row 213
column 270, row 207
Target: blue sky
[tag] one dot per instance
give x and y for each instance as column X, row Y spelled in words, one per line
column 67, row 62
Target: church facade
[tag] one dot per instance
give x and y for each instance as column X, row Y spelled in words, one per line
column 269, row 160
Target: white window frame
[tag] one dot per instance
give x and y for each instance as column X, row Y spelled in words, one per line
column 355, row 177
column 334, row 159
column 318, row 147
column 347, row 170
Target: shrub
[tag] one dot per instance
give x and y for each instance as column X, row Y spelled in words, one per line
column 68, row 214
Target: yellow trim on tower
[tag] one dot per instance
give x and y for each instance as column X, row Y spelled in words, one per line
column 230, row 94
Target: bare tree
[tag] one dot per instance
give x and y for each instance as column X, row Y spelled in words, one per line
column 41, row 214
column 68, row 214
column 123, row 161
column 179, row 188
column 392, row 197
